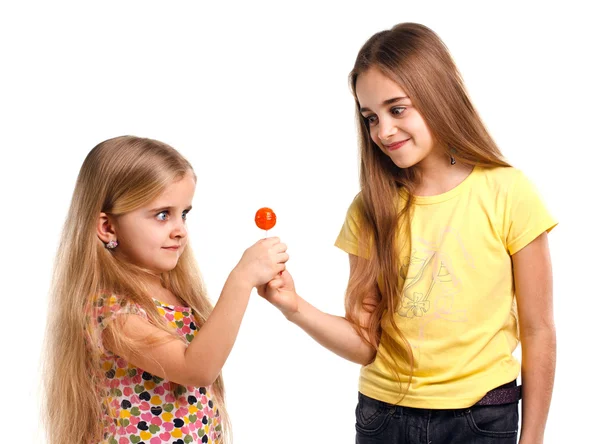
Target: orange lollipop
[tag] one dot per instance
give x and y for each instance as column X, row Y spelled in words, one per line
column 265, row 219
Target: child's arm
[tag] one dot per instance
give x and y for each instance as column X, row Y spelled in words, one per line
column 333, row 332
column 200, row 363
column 533, row 284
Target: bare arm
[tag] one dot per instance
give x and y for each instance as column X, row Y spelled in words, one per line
column 533, row 284
column 200, row 363
column 332, row 332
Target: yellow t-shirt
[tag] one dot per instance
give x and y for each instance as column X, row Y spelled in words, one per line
column 457, row 289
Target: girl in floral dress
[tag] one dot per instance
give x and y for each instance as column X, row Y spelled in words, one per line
column 135, row 348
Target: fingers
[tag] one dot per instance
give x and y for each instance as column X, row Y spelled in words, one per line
column 270, row 241
column 279, row 247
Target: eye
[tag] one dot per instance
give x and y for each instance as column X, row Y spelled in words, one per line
column 184, row 214
column 371, row 120
column 398, row 110
column 162, row 216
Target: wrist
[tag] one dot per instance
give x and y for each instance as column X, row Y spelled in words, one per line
column 241, row 278
column 294, row 315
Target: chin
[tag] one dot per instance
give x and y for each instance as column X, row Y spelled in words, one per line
column 403, row 164
column 406, row 161
column 165, row 268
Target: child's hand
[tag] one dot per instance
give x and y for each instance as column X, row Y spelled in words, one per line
column 263, row 261
column 281, row 292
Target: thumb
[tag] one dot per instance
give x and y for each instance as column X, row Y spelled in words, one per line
column 261, row 290
column 275, row 283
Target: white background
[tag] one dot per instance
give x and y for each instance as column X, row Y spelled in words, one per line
column 255, row 95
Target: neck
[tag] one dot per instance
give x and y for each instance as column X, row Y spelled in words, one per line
column 436, row 175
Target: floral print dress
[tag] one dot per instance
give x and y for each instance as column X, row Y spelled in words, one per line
column 143, row 408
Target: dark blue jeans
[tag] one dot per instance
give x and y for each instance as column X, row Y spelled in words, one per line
column 381, row 423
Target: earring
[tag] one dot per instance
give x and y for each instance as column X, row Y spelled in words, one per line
column 452, row 159
column 112, row 244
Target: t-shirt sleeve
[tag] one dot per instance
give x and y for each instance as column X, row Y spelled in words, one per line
column 348, row 239
column 105, row 309
column 526, row 214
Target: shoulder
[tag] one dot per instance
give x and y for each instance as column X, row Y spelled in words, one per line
column 501, row 182
column 106, row 305
column 356, row 207
column 501, row 177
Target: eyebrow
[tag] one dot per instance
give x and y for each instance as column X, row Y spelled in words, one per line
column 160, row 209
column 386, row 102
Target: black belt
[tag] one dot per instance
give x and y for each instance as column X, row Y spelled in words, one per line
column 505, row 394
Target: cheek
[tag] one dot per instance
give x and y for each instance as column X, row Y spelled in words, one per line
column 419, row 130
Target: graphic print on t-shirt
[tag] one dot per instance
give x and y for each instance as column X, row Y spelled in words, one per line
column 430, row 285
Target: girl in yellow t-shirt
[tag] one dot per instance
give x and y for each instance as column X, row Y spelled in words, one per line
column 449, row 262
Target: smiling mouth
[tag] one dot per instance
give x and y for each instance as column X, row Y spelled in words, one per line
column 396, row 145
column 175, row 248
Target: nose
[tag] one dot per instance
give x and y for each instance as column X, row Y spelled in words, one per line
column 386, row 129
column 179, row 230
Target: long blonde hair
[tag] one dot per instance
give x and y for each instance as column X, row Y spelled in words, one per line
column 117, row 176
column 416, row 58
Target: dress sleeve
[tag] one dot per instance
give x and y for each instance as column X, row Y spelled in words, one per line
column 105, row 309
column 526, row 215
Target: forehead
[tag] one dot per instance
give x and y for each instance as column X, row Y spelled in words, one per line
column 179, row 192
column 373, row 88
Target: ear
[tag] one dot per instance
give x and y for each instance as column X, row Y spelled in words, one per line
column 105, row 229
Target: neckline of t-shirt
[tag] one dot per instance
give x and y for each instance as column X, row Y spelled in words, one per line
column 174, row 307
column 428, row 200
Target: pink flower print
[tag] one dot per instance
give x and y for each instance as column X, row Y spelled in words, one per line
column 415, row 305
